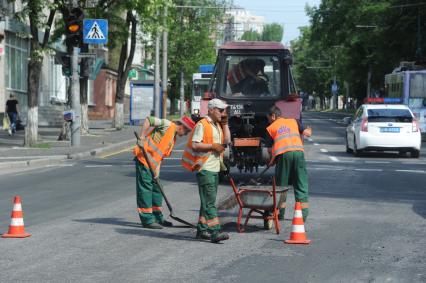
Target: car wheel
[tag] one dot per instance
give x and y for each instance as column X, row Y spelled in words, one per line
column 415, row 153
column 348, row 150
column 357, row 152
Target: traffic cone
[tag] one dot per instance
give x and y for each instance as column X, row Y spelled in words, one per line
column 298, row 235
column 16, row 227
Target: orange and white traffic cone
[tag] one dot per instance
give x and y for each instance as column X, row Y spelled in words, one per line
column 298, row 235
column 16, row 227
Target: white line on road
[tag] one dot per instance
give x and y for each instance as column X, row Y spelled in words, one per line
column 412, row 171
column 372, row 169
column 310, row 139
column 35, row 157
column 323, row 150
column 60, row 165
column 98, row 166
column 377, row 162
column 316, row 143
column 326, row 168
column 335, row 159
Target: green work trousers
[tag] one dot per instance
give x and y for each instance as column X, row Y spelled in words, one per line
column 290, row 169
column 148, row 196
column 207, row 188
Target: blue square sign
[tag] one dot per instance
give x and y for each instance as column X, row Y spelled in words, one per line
column 95, row 31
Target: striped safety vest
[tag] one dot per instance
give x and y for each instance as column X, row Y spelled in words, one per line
column 285, row 133
column 157, row 151
column 194, row 160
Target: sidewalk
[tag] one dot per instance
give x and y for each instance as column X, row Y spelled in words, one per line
column 101, row 139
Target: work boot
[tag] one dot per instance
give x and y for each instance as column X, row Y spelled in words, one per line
column 153, row 226
column 203, row 235
column 166, row 223
column 217, row 237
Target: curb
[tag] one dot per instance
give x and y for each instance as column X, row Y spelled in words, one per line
column 72, row 156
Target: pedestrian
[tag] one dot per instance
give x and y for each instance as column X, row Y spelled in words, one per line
column 12, row 112
column 288, row 155
column 157, row 137
column 204, row 154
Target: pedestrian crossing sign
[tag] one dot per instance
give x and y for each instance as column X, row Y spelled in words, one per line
column 95, row 31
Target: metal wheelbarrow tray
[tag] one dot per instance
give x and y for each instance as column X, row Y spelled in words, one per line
column 262, row 200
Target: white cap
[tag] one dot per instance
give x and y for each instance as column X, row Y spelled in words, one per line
column 216, row 103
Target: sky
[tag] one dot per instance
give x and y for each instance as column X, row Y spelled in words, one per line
column 289, row 13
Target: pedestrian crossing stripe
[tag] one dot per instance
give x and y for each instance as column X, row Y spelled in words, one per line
column 95, row 32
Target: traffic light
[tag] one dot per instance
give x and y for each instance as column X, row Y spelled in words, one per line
column 74, row 27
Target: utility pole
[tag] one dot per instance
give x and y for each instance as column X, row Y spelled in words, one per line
column 157, row 76
column 164, row 79
column 182, row 80
column 75, row 99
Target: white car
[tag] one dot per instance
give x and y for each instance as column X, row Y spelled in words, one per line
column 383, row 127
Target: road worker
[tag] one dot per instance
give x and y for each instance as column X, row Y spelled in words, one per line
column 288, row 155
column 157, row 137
column 204, row 154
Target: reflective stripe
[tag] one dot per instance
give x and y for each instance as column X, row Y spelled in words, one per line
column 213, row 222
column 281, row 137
column 304, row 204
column 145, row 210
column 192, row 163
column 298, row 228
column 17, row 222
column 278, row 150
column 157, row 208
column 17, row 207
column 155, row 148
column 298, row 214
column 197, row 153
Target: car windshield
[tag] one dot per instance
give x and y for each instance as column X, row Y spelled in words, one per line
column 252, row 76
column 390, row 115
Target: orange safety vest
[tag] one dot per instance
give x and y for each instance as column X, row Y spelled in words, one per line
column 157, row 151
column 285, row 133
column 194, row 160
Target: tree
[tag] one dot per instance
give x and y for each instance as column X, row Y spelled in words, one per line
column 251, row 35
column 33, row 13
column 272, row 32
column 193, row 31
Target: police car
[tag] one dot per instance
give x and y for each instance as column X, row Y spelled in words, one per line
column 382, row 125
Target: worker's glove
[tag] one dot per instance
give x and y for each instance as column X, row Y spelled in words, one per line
column 217, row 147
column 224, row 119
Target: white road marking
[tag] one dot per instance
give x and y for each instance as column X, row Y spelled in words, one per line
column 326, row 168
column 372, row 169
column 310, row 139
column 412, row 171
column 316, row 143
column 377, row 162
column 323, row 150
column 98, row 166
column 60, row 165
column 335, row 159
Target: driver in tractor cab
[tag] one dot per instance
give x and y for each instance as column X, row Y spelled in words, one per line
column 248, row 77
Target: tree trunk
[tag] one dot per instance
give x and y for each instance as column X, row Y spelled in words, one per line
column 84, row 119
column 119, row 116
column 124, row 66
column 31, row 129
column 84, row 107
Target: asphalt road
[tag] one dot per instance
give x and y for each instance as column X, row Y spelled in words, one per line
column 367, row 223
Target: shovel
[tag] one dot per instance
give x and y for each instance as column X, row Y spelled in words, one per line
column 255, row 181
column 157, row 181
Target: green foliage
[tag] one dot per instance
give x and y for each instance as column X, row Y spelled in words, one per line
column 272, row 32
column 251, row 35
column 192, row 32
column 355, row 36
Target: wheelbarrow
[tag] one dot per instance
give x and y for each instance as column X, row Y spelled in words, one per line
column 261, row 200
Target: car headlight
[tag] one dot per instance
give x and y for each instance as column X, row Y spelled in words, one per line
column 196, row 111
